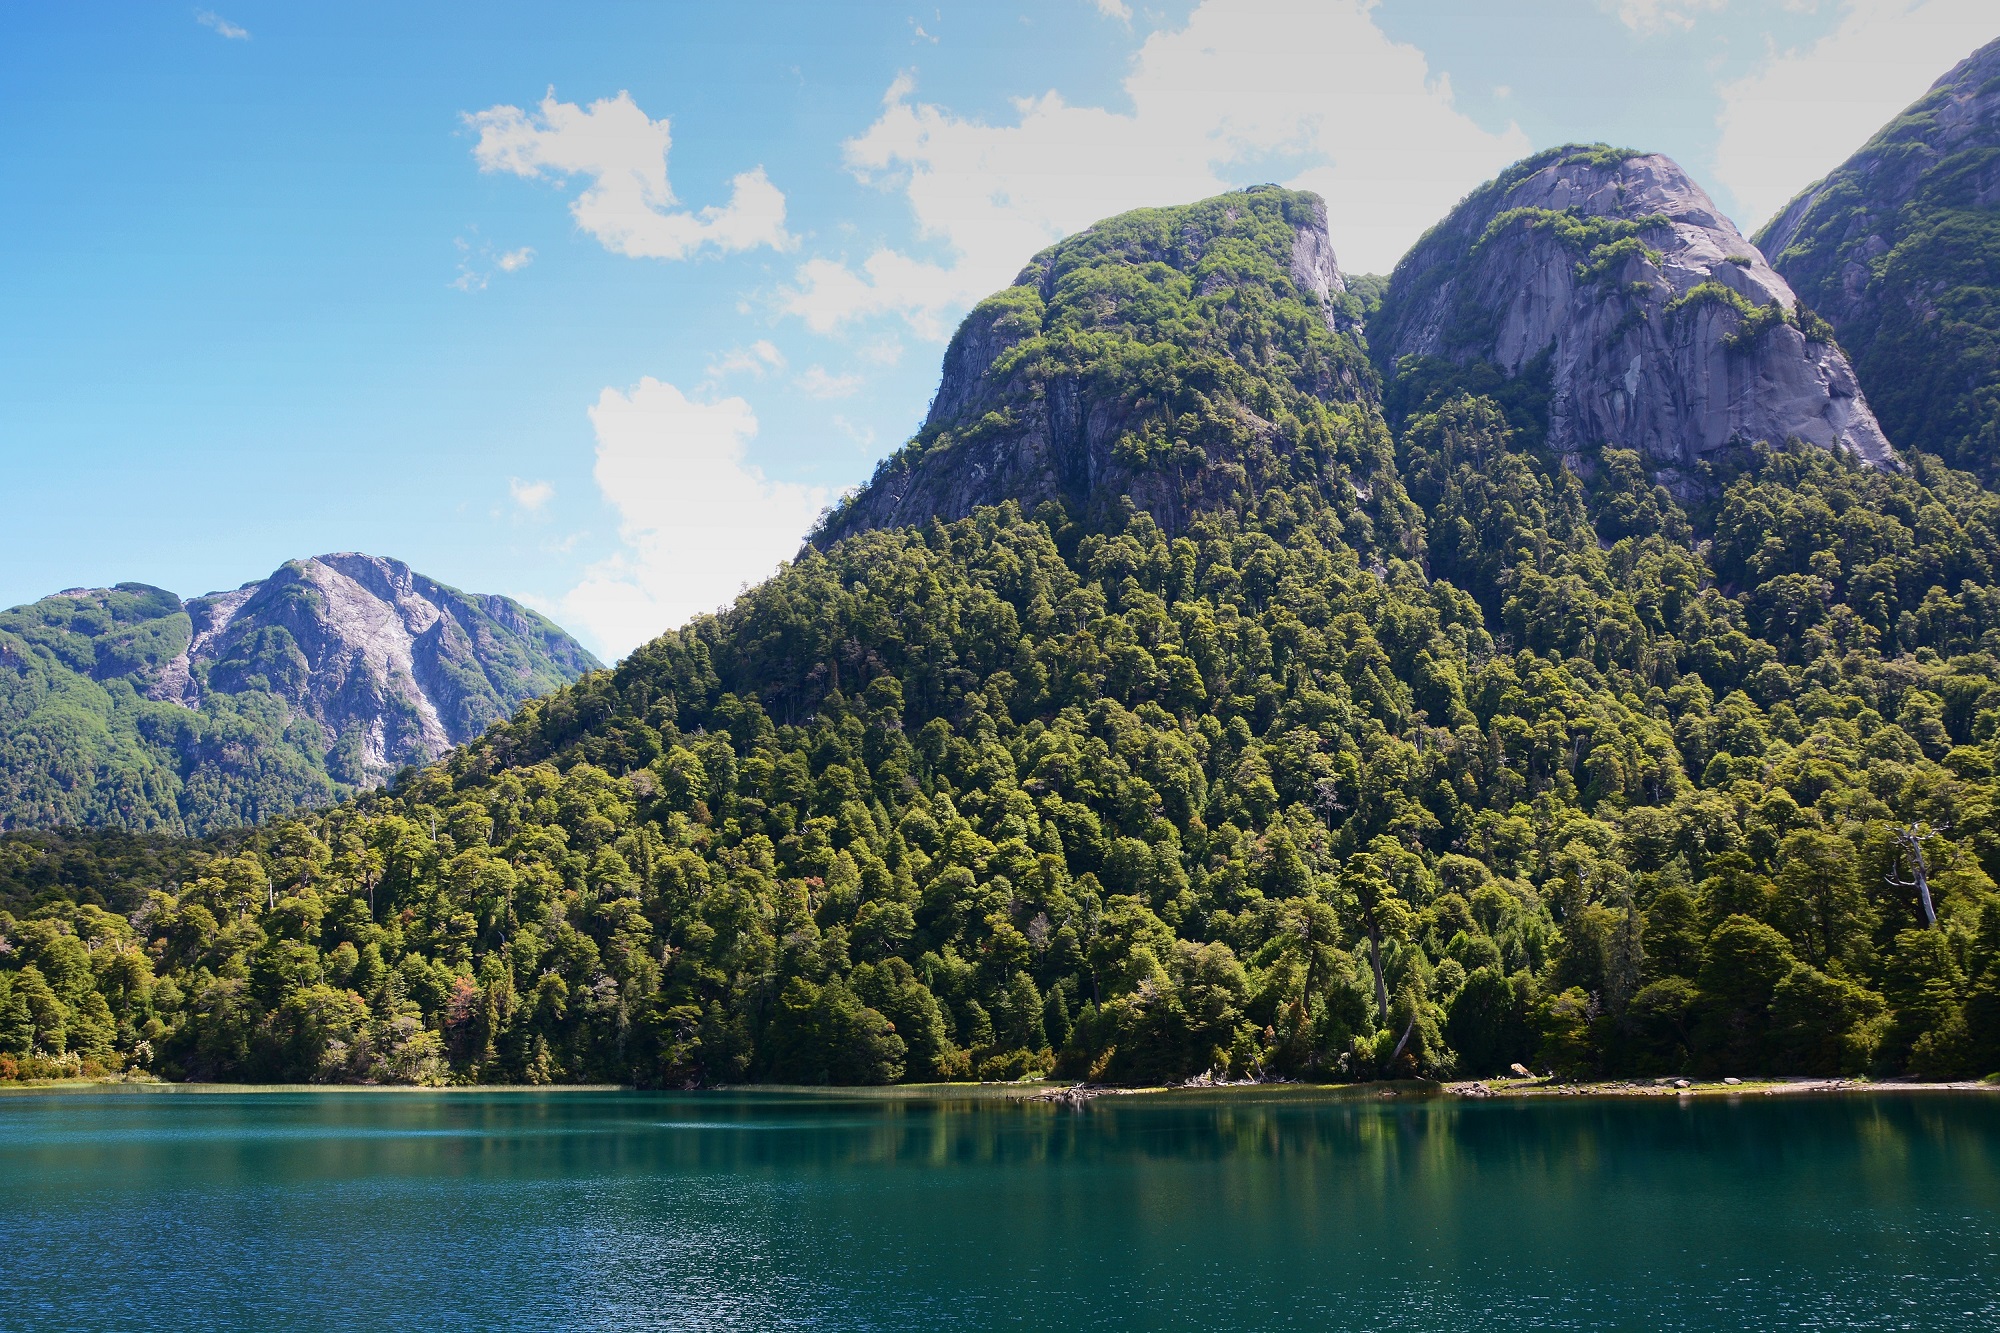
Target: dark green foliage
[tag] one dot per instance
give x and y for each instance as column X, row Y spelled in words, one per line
column 1494, row 762
column 949, row 802
column 1901, row 247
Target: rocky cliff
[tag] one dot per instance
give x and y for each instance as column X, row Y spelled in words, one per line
column 127, row 706
column 1899, row 248
column 1612, row 280
column 1169, row 355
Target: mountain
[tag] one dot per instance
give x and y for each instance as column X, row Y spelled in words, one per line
column 1162, row 355
column 1900, row 249
column 1624, row 309
column 128, row 707
column 1187, row 719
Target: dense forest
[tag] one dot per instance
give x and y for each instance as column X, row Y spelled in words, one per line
column 1409, row 750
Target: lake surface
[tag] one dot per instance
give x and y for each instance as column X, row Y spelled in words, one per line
column 619, row 1210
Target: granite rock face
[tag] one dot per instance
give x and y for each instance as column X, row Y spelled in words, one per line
column 1826, row 239
column 132, row 708
column 1899, row 248
column 362, row 644
column 1035, row 403
column 1664, row 331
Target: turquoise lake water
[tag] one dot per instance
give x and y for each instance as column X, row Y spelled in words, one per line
column 619, row 1210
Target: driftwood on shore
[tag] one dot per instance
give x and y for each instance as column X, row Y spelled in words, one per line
column 1078, row 1093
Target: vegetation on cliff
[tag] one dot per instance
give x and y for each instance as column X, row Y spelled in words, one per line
column 1420, row 754
column 1163, row 358
column 1900, row 248
column 1008, row 795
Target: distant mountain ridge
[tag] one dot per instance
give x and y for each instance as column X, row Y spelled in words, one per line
column 129, row 707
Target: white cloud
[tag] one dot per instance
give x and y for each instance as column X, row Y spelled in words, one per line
column 884, row 351
column 759, row 359
column 1801, row 114
column 1651, row 16
column 819, row 382
column 1114, row 9
column 477, row 263
column 1311, row 82
column 208, row 18
column 628, row 205
column 530, row 495
column 697, row 521
column 862, row 436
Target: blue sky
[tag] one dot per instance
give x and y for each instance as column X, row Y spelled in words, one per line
column 596, row 304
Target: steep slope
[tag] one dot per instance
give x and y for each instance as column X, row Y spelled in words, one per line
column 1504, row 767
column 1900, row 249
column 1166, row 355
column 1630, row 309
column 125, row 706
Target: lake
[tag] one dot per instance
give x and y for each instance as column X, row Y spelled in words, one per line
column 171, row 1209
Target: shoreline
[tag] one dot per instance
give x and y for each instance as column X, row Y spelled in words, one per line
column 1078, row 1094
column 1673, row 1086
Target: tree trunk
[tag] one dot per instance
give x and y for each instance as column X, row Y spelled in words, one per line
column 1381, row 986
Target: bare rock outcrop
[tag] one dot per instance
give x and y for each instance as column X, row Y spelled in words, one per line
column 367, row 646
column 1070, row 384
column 1899, row 248
column 128, row 707
column 1659, row 328
column 1826, row 240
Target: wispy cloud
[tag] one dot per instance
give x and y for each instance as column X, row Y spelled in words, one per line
column 1653, row 16
column 862, row 436
column 477, row 263
column 629, row 206
column 531, row 496
column 819, row 382
column 208, row 18
column 760, row 358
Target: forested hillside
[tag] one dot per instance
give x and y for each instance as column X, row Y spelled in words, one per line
column 1412, row 753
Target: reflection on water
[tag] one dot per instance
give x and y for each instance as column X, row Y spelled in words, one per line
column 722, row 1211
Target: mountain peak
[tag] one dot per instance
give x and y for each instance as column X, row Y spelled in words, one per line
column 332, row 672
column 1658, row 326
column 1142, row 357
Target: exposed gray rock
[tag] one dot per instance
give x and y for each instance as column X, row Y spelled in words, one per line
column 1825, row 239
column 1899, row 247
column 1315, row 271
column 1033, row 428
column 367, row 645
column 129, row 707
column 1645, row 351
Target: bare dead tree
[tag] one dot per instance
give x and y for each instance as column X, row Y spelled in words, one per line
column 1397, row 1054
column 1910, row 847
